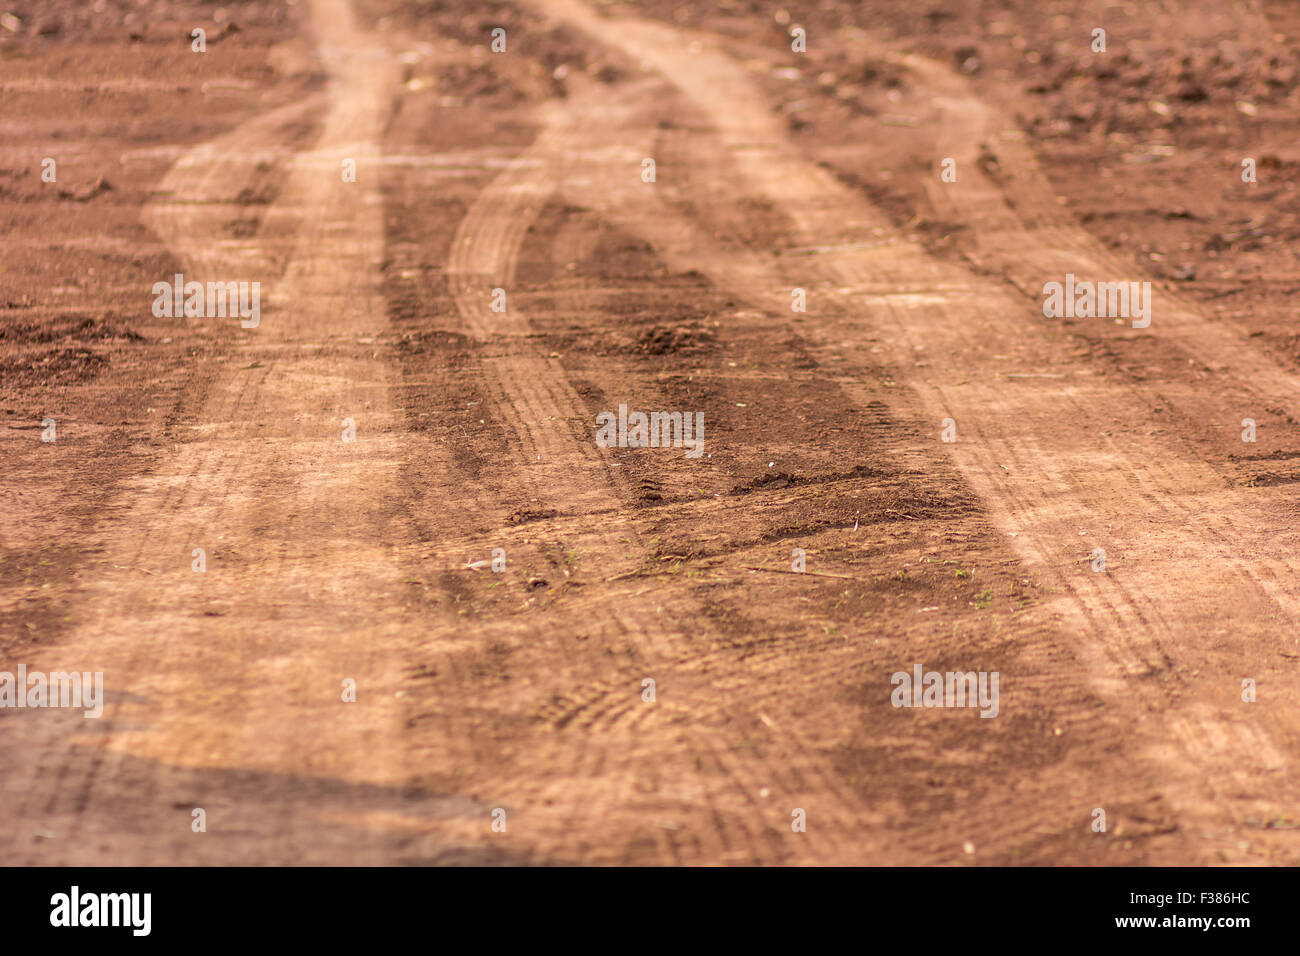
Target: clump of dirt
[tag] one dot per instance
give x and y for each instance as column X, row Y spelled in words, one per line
column 530, row 61
column 1154, row 86
column 87, row 191
column 123, row 21
column 666, row 340
column 59, row 367
column 27, row 360
column 69, row 327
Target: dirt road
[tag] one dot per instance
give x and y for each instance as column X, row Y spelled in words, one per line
column 363, row 585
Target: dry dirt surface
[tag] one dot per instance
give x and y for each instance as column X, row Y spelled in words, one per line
column 364, row 582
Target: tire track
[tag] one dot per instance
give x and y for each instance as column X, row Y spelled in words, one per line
column 206, row 704
column 568, row 474
column 1162, row 617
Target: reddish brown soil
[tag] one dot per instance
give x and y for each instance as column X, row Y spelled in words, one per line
column 522, row 691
